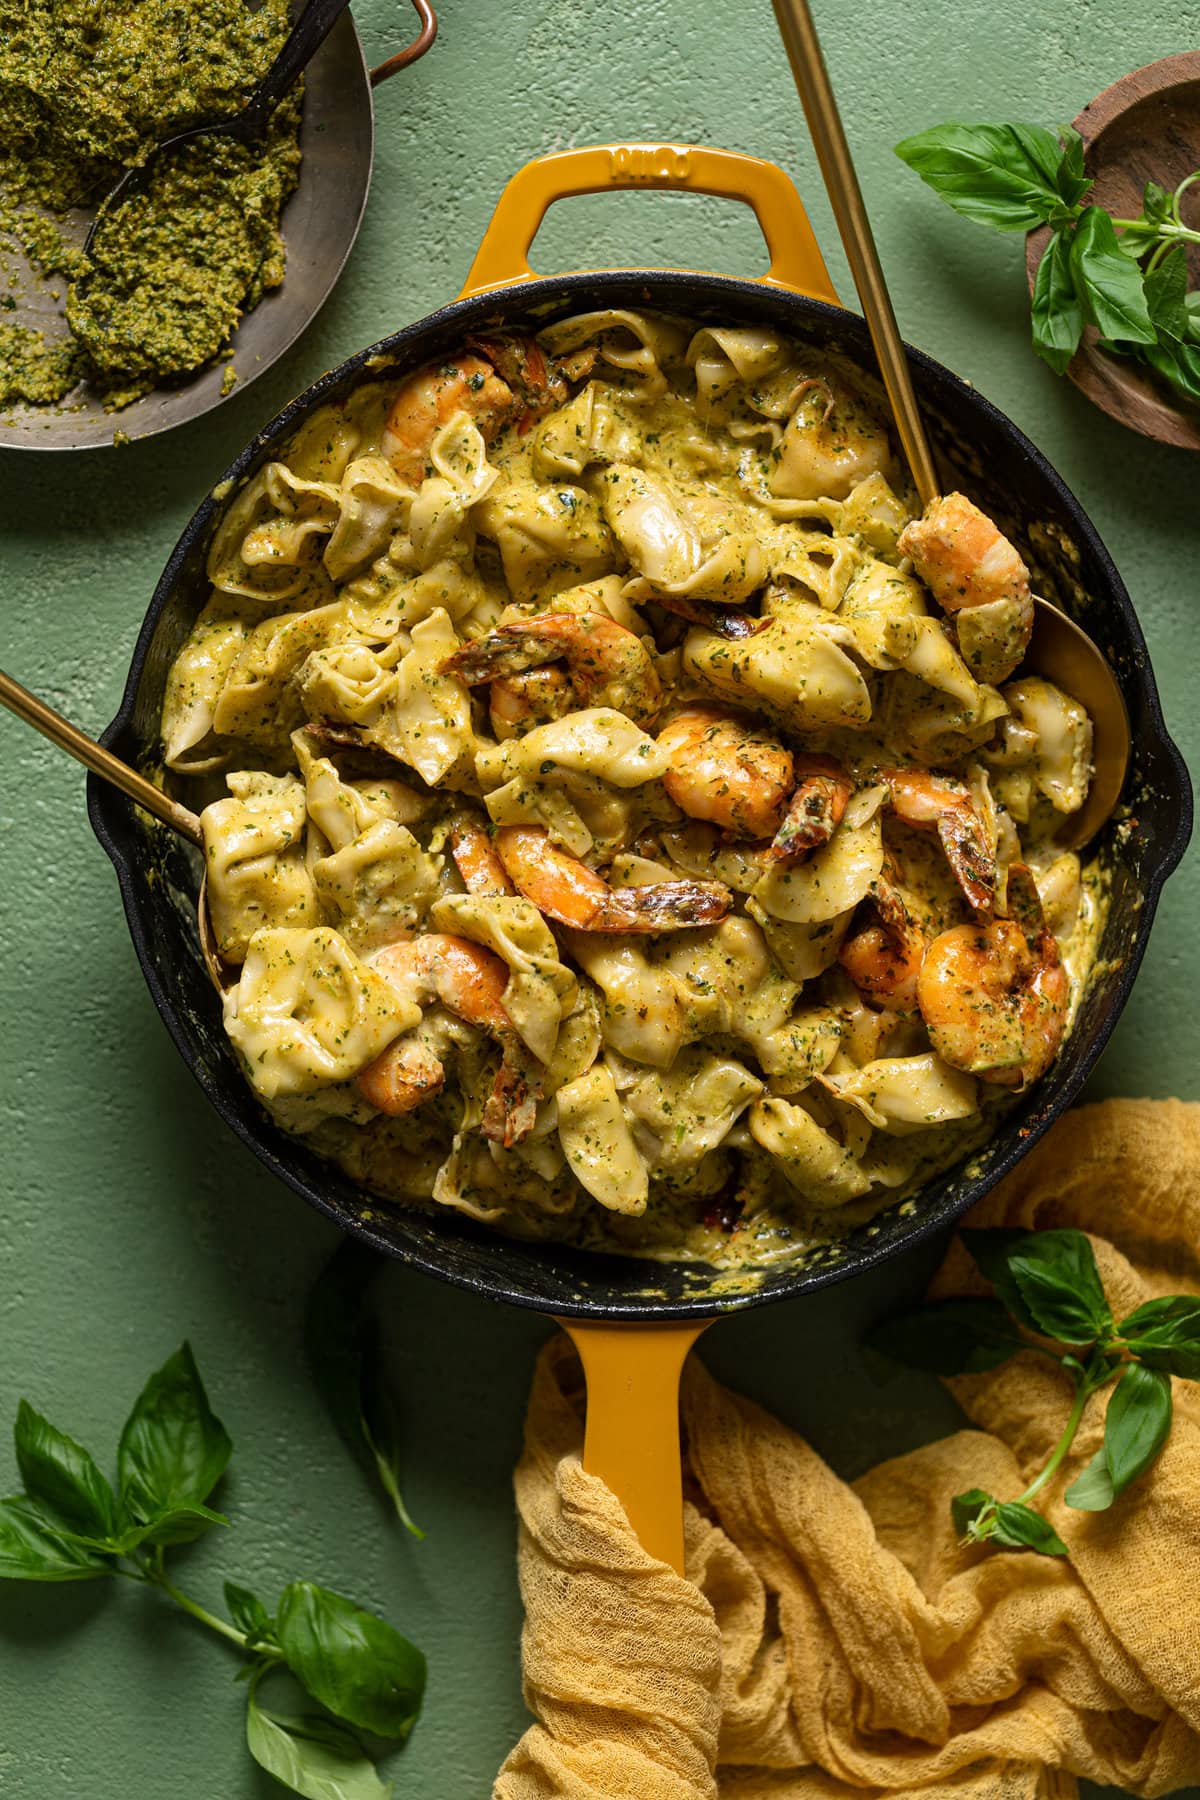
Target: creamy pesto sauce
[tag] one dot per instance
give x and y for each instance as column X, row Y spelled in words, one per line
column 732, row 1211
column 85, row 91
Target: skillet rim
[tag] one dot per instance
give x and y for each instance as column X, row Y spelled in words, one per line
column 105, row 805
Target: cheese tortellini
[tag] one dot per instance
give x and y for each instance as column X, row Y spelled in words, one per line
column 593, row 783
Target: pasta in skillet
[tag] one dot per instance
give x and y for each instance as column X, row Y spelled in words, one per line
column 627, row 822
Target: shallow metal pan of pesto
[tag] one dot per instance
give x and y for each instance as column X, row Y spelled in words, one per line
column 319, row 222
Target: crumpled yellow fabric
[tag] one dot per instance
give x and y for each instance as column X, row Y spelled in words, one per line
column 833, row 1638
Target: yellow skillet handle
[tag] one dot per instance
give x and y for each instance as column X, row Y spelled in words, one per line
column 502, row 259
column 632, row 1436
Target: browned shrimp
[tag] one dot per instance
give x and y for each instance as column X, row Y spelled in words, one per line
column 470, row 982
column 935, row 803
column 815, row 810
column 727, row 771
column 962, row 557
column 567, row 890
column 430, row 398
column 516, row 703
column 475, row 858
column 538, row 381
column 884, row 958
column 607, row 665
column 994, row 996
column 725, row 621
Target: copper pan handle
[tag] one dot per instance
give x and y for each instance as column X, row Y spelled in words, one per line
column 412, row 52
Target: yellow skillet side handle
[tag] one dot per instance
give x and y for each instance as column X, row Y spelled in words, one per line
column 632, row 1437
column 502, row 259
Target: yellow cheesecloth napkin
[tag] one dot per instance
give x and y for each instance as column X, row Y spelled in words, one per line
column 833, row 1638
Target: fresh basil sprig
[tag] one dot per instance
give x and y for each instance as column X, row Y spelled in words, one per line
column 1048, row 1288
column 1127, row 277
column 72, row 1524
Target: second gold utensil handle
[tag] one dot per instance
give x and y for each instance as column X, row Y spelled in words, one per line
column 95, row 757
column 833, row 154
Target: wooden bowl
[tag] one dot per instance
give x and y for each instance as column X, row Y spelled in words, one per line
column 1144, row 127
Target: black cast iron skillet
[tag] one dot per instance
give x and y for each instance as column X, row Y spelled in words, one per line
column 977, row 448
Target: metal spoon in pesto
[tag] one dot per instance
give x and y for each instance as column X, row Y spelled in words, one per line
column 250, row 125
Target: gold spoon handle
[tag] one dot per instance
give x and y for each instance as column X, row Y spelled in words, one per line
column 833, row 154
column 95, row 757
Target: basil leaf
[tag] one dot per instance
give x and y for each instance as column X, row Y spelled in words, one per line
column 966, row 1508
column 1191, row 304
column 345, row 1360
column 1072, row 183
column 1057, row 314
column 173, row 1449
column 247, row 1612
column 1166, row 292
column 1165, row 1334
column 955, row 1337
column 1092, row 1489
column 1156, row 204
column 1176, row 364
column 34, row 1547
column 1005, row 176
column 351, row 1661
column 1110, row 282
column 63, row 1476
column 1055, row 1274
column 990, row 1251
column 312, row 1756
column 1020, row 1528
column 181, row 1524
column 1137, row 1424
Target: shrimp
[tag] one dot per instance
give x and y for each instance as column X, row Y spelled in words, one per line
column 884, row 959
column 538, row 381
column 725, row 621
column 607, row 664
column 476, row 859
column 934, row 803
column 567, row 890
column 962, row 557
column 815, row 810
column 994, row 996
column 470, row 982
column 430, row 398
column 727, row 771
column 402, row 1078
column 829, row 445
column 516, row 703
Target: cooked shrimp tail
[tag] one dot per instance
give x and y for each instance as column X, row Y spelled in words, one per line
column 934, row 803
column 725, row 621
column 565, row 889
column 538, row 381
column 476, row 860
column 607, row 664
column 884, row 956
column 815, row 810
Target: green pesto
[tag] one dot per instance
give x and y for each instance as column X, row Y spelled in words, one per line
column 85, row 92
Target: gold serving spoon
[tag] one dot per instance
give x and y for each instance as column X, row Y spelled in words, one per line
column 1058, row 650
column 110, row 768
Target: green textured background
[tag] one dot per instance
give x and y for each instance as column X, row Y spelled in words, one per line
column 129, row 1216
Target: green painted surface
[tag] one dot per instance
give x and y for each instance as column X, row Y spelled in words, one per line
column 129, row 1216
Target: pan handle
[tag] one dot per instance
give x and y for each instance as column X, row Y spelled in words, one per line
column 411, row 52
column 502, row 259
column 631, row 1440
